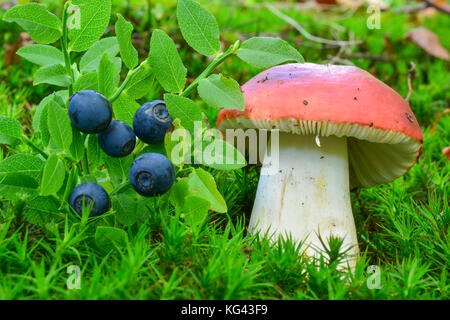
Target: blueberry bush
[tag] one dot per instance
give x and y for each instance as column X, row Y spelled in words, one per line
column 92, row 94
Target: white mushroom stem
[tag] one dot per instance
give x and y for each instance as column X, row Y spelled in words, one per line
column 306, row 192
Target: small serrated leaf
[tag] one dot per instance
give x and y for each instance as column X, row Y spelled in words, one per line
column 10, row 131
column 41, row 54
column 124, row 108
column 53, row 176
column 106, row 72
column 119, row 167
column 87, row 81
column 221, row 92
column 202, row 184
column 23, row 164
column 266, row 52
column 109, row 238
column 91, row 59
column 199, row 27
column 94, row 19
column 59, row 126
column 54, row 74
column 129, row 54
column 166, row 63
column 140, row 83
column 195, row 209
column 95, row 153
column 42, row 210
column 184, row 109
column 125, row 209
column 43, row 26
column 77, row 146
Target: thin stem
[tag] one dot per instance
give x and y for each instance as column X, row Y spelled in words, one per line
column 85, row 158
column 64, row 46
column 130, row 74
column 35, row 147
column 210, row 68
column 139, row 147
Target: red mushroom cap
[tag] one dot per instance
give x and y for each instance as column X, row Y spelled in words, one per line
column 385, row 139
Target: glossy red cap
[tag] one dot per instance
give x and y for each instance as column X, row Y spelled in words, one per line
column 346, row 97
column 325, row 92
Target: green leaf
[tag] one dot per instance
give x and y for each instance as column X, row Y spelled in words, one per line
column 43, row 120
column 42, row 210
column 18, row 180
column 42, row 25
column 195, row 210
column 59, row 126
column 106, row 72
column 23, row 164
column 94, row 19
column 10, row 131
column 125, row 209
column 199, row 27
column 140, row 83
column 41, row 54
column 124, row 108
column 109, row 238
column 177, row 144
column 54, row 74
column 91, row 59
column 87, row 81
column 38, row 114
column 156, row 148
column 221, row 155
column 119, row 167
column 118, row 67
column 166, row 63
column 202, row 184
column 95, row 153
column 129, row 54
column 52, row 176
column 178, row 192
column 266, row 52
column 71, row 182
column 184, row 109
column 222, row 92
column 77, row 146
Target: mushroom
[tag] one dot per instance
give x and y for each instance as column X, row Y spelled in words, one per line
column 339, row 128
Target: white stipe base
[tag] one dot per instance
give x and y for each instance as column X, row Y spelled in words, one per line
column 308, row 194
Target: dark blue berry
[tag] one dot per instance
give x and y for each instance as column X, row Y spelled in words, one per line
column 87, row 193
column 151, row 122
column 118, row 140
column 89, row 111
column 152, row 174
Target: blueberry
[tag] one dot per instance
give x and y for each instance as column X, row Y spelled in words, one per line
column 152, row 174
column 151, row 122
column 88, row 192
column 89, row 111
column 118, row 140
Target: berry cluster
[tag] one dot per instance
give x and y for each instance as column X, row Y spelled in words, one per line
column 151, row 174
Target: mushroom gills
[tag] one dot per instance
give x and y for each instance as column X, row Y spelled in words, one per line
column 304, row 191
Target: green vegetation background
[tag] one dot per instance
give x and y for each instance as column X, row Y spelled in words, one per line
column 403, row 227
